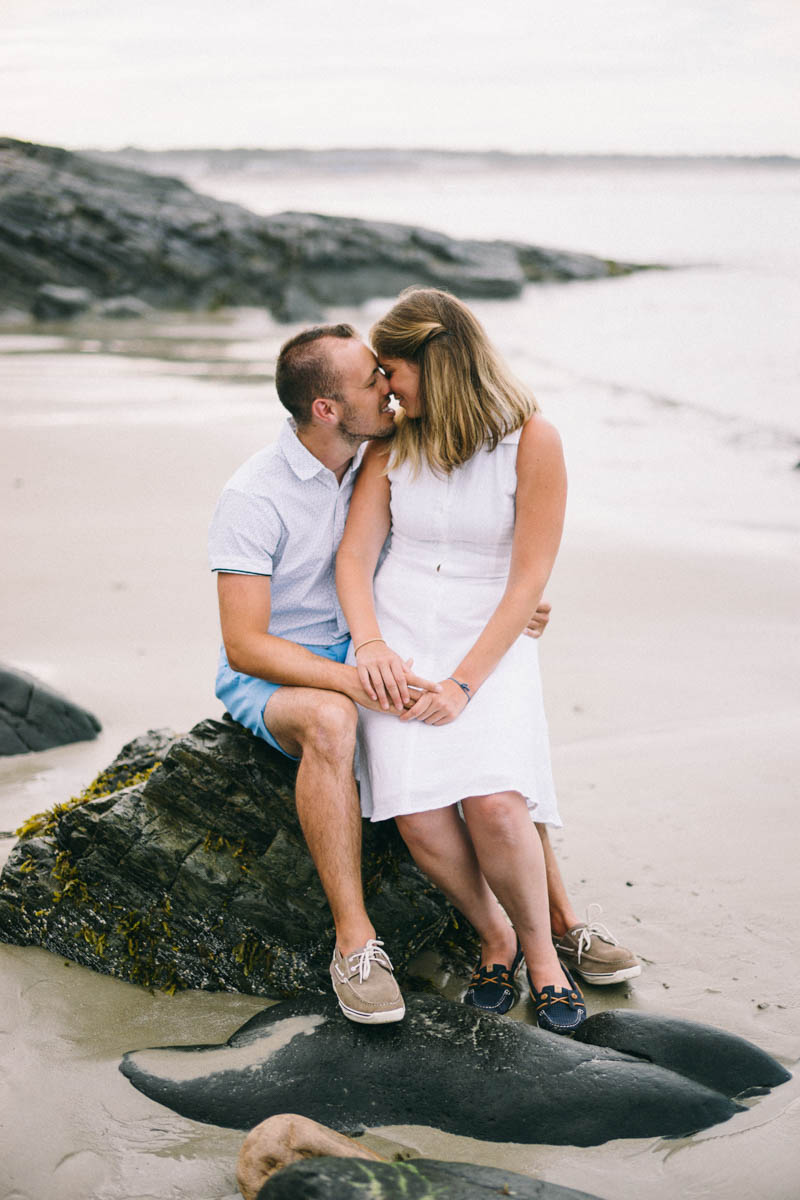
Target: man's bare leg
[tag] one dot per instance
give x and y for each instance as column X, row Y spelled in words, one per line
column 562, row 914
column 319, row 727
column 440, row 845
column 590, row 951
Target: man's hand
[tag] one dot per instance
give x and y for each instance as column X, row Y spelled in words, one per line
column 438, row 708
column 538, row 622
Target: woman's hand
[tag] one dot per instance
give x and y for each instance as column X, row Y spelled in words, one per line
column 438, row 708
column 385, row 676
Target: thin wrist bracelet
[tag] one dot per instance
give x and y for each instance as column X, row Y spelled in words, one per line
column 366, row 643
column 466, row 689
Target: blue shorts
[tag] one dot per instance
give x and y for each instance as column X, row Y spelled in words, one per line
column 245, row 696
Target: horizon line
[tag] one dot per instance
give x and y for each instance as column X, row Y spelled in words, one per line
column 456, row 152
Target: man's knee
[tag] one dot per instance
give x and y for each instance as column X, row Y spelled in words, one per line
column 329, row 727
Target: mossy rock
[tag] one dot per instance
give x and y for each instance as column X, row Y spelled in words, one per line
column 193, row 872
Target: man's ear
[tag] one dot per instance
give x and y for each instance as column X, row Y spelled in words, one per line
column 325, row 411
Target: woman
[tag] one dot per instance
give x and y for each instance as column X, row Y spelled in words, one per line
column 473, row 488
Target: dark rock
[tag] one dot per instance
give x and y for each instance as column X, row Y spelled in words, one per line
column 82, row 222
column 419, row 1179
column 444, row 1065
column 34, row 717
column 554, row 266
column 55, row 303
column 198, row 875
column 136, row 759
column 122, row 308
column 721, row 1061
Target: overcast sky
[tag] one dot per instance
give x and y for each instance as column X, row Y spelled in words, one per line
column 643, row 76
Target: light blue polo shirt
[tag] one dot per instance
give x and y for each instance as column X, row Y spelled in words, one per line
column 283, row 514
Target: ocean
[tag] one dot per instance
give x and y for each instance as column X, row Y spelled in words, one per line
column 676, row 391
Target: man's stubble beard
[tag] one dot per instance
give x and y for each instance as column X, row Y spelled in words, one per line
column 350, row 432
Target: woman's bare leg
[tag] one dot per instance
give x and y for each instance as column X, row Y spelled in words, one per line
column 440, row 846
column 511, row 857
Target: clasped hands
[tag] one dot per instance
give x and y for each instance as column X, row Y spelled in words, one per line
column 391, row 684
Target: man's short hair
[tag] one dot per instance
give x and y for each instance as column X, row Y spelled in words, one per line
column 304, row 370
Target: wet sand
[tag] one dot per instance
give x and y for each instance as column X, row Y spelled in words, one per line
column 671, row 680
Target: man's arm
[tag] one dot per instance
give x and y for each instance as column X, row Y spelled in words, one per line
column 244, row 608
column 538, row 622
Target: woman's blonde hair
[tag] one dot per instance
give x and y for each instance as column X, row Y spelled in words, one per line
column 469, row 398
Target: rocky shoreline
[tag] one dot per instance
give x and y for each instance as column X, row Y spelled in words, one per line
column 79, row 233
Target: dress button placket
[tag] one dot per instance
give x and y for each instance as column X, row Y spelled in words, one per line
column 442, row 527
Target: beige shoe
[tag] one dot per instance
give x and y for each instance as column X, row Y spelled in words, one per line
column 591, row 951
column 366, row 987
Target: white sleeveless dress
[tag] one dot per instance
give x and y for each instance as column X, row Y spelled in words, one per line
column 441, row 580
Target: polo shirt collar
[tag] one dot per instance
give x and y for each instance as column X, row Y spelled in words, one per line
column 305, row 464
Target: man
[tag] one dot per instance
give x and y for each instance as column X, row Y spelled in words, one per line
column 282, row 673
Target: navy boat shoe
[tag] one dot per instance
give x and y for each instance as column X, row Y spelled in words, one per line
column 491, row 989
column 561, row 1010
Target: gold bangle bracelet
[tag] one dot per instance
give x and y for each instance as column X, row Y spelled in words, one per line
column 367, row 642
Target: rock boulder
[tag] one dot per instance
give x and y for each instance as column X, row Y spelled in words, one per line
column 55, row 303
column 193, row 872
column 450, row 1067
column 419, row 1179
column 34, row 717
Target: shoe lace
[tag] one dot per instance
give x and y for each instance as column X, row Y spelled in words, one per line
column 495, row 974
column 362, row 960
column 553, row 997
column 593, row 928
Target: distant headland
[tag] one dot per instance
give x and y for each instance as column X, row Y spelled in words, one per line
column 81, row 231
column 377, row 158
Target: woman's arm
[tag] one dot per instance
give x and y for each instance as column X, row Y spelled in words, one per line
column 540, row 503
column 383, row 674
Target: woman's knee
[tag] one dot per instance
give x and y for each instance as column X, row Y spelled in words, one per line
column 499, row 814
column 419, row 831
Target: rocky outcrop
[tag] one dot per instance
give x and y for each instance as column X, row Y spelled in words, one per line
column 320, row 1174
column 193, row 872
column 34, row 717
column 316, row 1154
column 420, row 1179
column 447, row 1066
column 75, row 221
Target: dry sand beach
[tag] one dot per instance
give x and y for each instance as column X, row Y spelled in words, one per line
column 671, row 676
